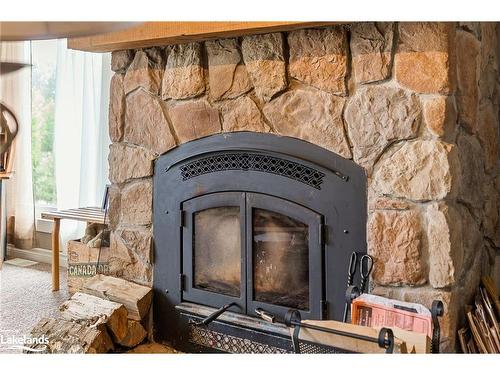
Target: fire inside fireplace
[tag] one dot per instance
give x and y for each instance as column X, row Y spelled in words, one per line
column 256, row 221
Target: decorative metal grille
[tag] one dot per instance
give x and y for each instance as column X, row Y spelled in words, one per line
column 311, row 348
column 255, row 162
column 230, row 344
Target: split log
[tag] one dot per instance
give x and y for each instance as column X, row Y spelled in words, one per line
column 135, row 335
column 136, row 298
column 63, row 337
column 98, row 312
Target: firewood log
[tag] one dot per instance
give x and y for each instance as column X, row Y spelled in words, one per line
column 135, row 334
column 94, row 311
column 69, row 337
column 136, row 298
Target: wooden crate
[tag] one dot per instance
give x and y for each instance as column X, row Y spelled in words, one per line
column 82, row 264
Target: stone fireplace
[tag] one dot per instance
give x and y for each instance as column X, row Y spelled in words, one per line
column 412, row 105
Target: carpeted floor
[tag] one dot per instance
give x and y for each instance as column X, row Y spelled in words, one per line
column 26, row 296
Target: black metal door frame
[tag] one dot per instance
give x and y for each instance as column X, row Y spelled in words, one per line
column 315, row 249
column 190, row 207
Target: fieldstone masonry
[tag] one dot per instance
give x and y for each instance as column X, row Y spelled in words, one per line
column 377, row 116
column 183, row 76
column 264, row 59
column 312, row 116
column 143, row 73
column 371, row 49
column 228, row 75
column 319, row 58
column 415, row 104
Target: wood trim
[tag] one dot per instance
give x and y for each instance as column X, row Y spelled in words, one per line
column 36, row 254
column 150, row 34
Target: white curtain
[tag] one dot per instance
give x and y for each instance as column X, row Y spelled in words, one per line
column 81, row 141
column 15, row 92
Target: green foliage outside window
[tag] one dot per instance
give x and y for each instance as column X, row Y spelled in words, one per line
column 42, row 123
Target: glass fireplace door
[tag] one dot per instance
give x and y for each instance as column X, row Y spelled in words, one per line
column 214, row 250
column 256, row 250
column 284, row 257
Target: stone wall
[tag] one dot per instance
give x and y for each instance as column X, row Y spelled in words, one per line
column 415, row 104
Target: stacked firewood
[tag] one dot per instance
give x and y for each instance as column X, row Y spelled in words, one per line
column 482, row 335
column 107, row 315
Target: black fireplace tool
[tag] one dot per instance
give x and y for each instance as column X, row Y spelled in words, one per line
column 213, row 315
column 353, row 265
column 365, row 267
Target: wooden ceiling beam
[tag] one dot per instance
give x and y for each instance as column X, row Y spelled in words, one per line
column 150, row 34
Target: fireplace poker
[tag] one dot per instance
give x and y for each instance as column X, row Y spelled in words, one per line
column 353, row 264
column 365, row 268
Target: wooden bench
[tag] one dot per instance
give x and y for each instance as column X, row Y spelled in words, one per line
column 86, row 214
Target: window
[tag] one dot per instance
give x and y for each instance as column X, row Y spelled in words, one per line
column 43, row 92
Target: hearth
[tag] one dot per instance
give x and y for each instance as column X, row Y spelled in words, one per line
column 259, row 222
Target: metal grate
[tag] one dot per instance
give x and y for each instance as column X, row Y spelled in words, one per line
column 254, row 162
column 311, row 348
column 230, row 344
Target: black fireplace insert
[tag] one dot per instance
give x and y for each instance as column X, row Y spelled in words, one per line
column 258, row 221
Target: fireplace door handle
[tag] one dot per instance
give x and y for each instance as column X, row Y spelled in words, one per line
column 265, row 315
column 209, row 319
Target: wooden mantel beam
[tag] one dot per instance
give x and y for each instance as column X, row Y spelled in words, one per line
column 150, row 34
